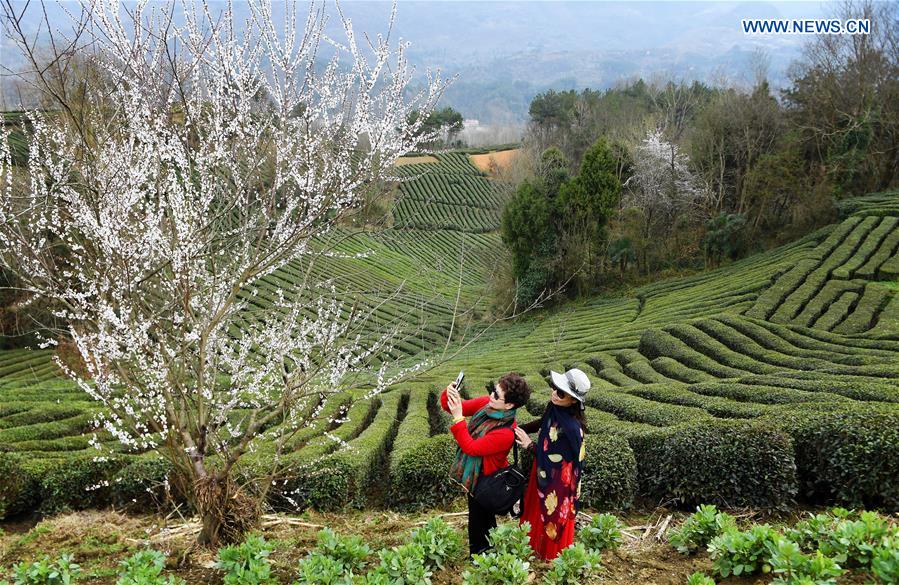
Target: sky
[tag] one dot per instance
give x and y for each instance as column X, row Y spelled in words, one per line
column 506, row 51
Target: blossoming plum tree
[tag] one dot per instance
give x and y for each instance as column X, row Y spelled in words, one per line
column 211, row 152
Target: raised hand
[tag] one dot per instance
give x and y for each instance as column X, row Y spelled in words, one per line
column 522, row 438
column 453, row 401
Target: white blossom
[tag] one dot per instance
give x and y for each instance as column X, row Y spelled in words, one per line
column 201, row 173
column 662, row 182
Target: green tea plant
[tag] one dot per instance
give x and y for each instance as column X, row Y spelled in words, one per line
column 440, row 542
column 247, row 563
column 511, row 538
column 603, row 532
column 700, row 528
column 742, row 553
column 792, row 567
column 145, row 568
column 63, row 571
column 573, row 565
column 700, row 579
column 497, row 568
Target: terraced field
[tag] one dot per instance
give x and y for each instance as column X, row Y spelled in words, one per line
column 772, row 379
column 410, row 279
column 452, row 195
column 430, row 265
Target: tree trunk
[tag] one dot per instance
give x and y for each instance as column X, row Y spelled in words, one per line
column 209, row 534
column 226, row 512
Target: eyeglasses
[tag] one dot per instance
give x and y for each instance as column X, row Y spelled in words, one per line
column 560, row 393
column 491, row 389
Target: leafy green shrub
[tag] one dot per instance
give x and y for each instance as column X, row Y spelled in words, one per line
column 334, row 560
column 74, row 483
column 141, row 483
column 18, row 489
column 420, row 477
column 739, row 463
column 700, row 528
column 810, row 533
column 794, row 568
column 603, row 532
column 145, row 568
column 742, row 553
column 885, row 561
column 247, row 563
column 610, row 473
column 401, row 565
column 853, row 541
column 494, row 568
column 440, row 542
column 373, row 578
column 633, row 408
column 573, row 565
column 847, row 537
column 320, row 569
column 351, row 551
column 326, row 487
column 851, row 458
column 63, row 571
column 511, row 538
column 700, row 579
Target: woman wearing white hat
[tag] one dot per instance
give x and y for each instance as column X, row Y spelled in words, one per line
column 552, row 498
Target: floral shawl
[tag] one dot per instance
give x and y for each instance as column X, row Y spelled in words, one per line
column 559, row 454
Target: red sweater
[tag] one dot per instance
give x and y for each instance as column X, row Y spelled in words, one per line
column 494, row 447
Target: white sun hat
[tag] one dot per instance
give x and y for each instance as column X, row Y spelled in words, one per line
column 574, row 382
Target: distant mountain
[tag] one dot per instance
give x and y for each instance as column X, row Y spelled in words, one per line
column 507, row 52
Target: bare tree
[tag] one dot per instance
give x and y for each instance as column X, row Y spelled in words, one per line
column 845, row 99
column 152, row 205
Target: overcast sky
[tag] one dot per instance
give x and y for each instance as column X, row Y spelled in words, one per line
column 563, row 44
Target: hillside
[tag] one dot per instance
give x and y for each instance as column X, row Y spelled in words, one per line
column 727, row 386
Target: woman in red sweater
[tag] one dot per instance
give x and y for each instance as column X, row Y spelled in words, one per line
column 553, row 494
column 484, row 443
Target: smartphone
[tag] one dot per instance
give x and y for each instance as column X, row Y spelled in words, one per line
column 459, row 379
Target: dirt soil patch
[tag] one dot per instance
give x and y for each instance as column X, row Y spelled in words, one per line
column 414, row 160
column 499, row 159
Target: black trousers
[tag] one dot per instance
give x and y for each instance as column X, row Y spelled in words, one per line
column 480, row 521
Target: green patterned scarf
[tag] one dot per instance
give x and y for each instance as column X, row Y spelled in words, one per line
column 467, row 468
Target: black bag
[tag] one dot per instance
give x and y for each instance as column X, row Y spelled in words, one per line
column 502, row 489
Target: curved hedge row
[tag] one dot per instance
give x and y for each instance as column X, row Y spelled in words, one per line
column 847, row 457
column 52, row 485
column 730, row 463
column 697, row 395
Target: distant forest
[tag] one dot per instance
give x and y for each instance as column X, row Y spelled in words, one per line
column 704, row 174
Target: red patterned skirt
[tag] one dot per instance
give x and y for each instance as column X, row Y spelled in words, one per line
column 545, row 547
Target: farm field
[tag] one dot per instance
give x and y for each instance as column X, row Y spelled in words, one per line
column 771, row 380
column 100, row 540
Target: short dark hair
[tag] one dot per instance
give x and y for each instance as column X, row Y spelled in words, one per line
column 517, row 391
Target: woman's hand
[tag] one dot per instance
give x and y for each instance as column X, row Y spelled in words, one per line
column 454, row 401
column 522, row 438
